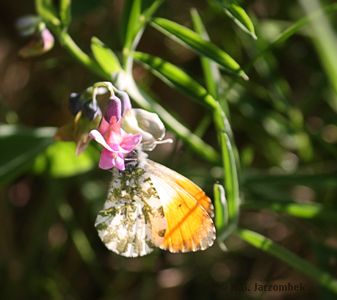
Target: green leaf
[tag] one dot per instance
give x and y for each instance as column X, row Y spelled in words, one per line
column 265, row 244
column 104, row 56
column 19, row 148
column 231, row 182
column 176, row 78
column 221, row 209
column 59, row 160
column 239, row 16
column 65, row 12
column 48, row 12
column 194, row 41
column 131, row 13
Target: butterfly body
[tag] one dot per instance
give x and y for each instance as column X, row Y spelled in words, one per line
column 150, row 206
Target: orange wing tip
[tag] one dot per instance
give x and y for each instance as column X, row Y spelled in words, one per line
column 187, row 247
column 197, row 242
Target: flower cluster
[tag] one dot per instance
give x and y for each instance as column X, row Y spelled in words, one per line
column 121, row 128
column 113, row 138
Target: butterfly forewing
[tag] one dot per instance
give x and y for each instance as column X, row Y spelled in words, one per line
column 196, row 192
column 187, row 211
column 132, row 222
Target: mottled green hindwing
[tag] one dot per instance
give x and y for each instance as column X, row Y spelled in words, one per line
column 132, row 222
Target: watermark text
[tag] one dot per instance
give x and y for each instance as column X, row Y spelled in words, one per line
column 258, row 287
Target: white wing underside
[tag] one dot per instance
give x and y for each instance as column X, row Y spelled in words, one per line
column 132, row 222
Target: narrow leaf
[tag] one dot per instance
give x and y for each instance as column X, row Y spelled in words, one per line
column 231, row 182
column 265, row 244
column 104, row 56
column 176, row 78
column 131, row 13
column 239, row 16
column 221, row 209
column 189, row 38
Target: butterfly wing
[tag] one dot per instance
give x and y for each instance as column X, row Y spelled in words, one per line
column 132, row 222
column 186, row 208
column 196, row 192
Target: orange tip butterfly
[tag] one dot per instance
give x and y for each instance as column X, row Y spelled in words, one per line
column 150, row 206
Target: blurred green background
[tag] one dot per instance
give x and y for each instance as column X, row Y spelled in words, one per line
column 284, row 121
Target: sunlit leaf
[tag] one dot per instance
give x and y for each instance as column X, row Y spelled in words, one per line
column 176, row 78
column 105, row 57
column 194, row 41
column 131, row 13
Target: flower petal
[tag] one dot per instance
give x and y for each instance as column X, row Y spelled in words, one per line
column 107, row 160
column 120, row 163
column 98, row 137
column 130, row 141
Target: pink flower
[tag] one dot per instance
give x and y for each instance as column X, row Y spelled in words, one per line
column 113, row 138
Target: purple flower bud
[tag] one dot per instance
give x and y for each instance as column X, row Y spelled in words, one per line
column 75, row 103
column 125, row 100
column 91, row 109
column 113, row 109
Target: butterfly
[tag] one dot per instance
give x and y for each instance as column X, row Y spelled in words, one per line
column 150, row 206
